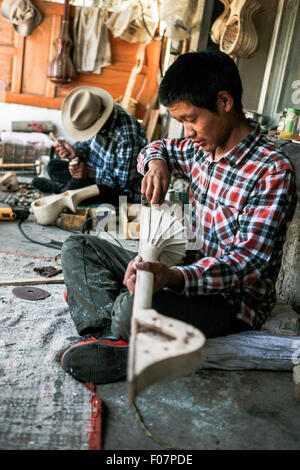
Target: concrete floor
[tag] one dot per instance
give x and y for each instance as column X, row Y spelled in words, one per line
column 206, row 410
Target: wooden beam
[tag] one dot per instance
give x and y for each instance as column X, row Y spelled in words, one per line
column 31, row 281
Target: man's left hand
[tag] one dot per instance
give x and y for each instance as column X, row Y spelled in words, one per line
column 78, row 168
column 163, row 275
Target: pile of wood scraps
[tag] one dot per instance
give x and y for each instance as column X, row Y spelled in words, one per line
column 15, row 193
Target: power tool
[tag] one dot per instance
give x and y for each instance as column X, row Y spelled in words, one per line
column 14, row 212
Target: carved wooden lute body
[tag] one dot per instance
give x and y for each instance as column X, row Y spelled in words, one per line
column 61, row 69
column 160, row 347
column 234, row 30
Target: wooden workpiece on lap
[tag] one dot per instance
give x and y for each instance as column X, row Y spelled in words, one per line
column 160, row 347
column 47, row 209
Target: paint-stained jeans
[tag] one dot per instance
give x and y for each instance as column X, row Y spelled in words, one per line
column 94, row 270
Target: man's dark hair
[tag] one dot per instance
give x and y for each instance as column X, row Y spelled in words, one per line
column 197, row 77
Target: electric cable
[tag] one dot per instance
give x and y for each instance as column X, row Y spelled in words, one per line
column 52, row 244
column 149, row 433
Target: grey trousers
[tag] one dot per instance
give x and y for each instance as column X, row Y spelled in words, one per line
column 94, row 270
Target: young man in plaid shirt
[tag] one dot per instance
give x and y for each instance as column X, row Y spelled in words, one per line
column 242, row 196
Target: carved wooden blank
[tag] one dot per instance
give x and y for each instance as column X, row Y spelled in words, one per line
column 160, row 347
column 47, row 209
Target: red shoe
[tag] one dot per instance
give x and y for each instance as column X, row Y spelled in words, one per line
column 66, row 296
column 98, row 361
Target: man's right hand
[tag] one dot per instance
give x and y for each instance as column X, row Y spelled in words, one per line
column 64, row 150
column 156, row 181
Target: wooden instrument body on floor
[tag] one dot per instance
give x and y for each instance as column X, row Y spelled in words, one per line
column 47, row 209
column 160, row 347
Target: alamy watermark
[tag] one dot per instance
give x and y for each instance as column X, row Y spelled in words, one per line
column 295, row 98
column 108, row 219
column 296, row 353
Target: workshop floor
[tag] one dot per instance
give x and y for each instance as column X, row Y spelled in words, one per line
column 210, row 409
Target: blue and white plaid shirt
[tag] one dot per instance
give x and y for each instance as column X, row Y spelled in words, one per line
column 112, row 153
column 241, row 204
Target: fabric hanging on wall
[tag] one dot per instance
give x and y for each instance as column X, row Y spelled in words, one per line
column 135, row 21
column 37, row 139
column 23, row 14
column 92, row 49
column 179, row 16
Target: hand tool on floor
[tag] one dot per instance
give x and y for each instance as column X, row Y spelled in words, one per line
column 13, row 212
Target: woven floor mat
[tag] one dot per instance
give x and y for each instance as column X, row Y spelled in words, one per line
column 41, row 407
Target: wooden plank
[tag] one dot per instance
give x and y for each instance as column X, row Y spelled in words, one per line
column 33, row 100
column 36, row 59
column 17, row 73
column 6, row 67
column 7, row 34
column 8, row 50
column 54, row 33
column 31, row 281
column 18, row 165
column 151, row 130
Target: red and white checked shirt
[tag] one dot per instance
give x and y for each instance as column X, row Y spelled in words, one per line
column 240, row 207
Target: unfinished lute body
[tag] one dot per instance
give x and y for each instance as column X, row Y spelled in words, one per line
column 160, row 347
column 234, row 30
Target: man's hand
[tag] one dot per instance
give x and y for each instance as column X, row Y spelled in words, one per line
column 163, row 275
column 156, row 181
column 64, row 150
column 78, row 168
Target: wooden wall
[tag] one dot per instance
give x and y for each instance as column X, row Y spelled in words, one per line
column 24, row 62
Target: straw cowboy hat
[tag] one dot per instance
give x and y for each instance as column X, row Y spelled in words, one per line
column 23, row 14
column 85, row 110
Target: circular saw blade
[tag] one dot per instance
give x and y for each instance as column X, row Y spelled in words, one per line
column 30, row 293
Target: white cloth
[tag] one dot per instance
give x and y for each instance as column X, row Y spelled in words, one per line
column 135, row 21
column 252, row 350
column 92, row 49
column 37, row 139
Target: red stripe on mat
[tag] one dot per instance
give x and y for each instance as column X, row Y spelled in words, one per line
column 95, row 430
column 23, row 254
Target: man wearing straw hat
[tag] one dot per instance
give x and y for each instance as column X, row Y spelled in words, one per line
column 242, row 197
column 108, row 140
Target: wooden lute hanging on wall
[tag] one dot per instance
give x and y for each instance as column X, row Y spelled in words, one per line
column 61, row 69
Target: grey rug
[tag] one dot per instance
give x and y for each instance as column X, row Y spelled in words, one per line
column 41, row 407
